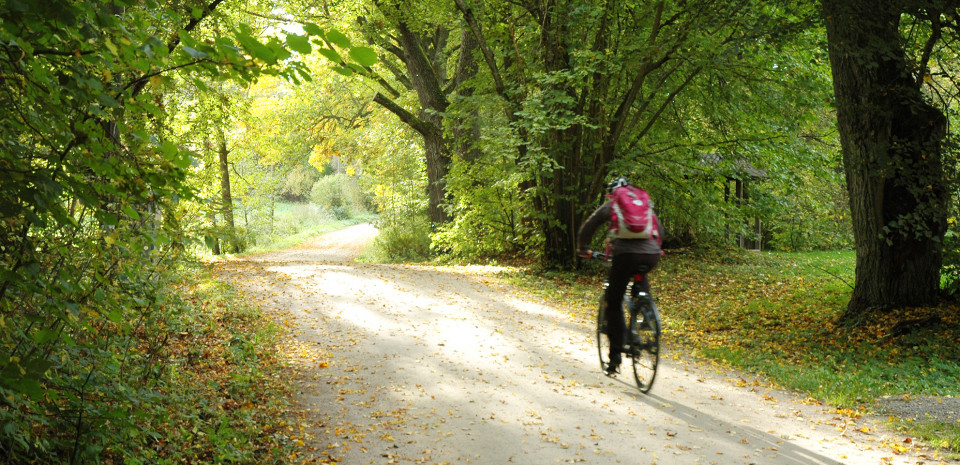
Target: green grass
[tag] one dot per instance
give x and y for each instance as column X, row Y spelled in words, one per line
column 776, row 315
column 303, row 235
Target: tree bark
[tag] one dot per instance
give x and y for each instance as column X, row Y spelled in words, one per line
column 226, row 196
column 466, row 129
column 426, row 78
column 891, row 140
column 563, row 187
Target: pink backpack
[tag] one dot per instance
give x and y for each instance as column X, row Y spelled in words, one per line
column 632, row 214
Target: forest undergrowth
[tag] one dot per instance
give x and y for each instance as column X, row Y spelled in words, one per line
column 219, row 395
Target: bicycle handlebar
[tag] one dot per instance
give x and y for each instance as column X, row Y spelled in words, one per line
column 594, row 255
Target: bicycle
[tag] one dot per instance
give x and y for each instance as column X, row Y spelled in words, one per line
column 643, row 325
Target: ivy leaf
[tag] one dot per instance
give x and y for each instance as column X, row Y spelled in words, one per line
column 44, row 335
column 108, row 101
column 130, row 212
column 109, row 219
column 30, row 387
column 195, row 53
column 313, row 29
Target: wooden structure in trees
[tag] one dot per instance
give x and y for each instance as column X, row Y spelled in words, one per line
column 739, row 177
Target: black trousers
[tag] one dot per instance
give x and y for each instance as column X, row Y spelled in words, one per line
column 622, row 268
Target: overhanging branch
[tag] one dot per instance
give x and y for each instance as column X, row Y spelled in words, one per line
column 408, row 118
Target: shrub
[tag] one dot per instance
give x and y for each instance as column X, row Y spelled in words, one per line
column 340, row 194
column 404, row 239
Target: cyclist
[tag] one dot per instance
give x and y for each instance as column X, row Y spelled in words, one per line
column 629, row 257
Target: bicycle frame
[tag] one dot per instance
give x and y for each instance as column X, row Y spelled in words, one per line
column 642, row 338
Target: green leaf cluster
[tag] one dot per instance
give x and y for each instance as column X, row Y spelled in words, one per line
column 91, row 178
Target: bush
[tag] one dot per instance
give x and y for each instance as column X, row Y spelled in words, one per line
column 293, row 218
column 950, row 273
column 404, row 239
column 486, row 214
column 340, row 194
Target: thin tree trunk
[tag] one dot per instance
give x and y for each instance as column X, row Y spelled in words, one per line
column 226, row 197
column 891, row 139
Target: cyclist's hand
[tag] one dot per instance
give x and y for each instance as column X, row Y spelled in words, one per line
column 585, row 253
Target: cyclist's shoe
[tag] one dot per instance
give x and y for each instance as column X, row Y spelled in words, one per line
column 612, row 369
column 614, row 366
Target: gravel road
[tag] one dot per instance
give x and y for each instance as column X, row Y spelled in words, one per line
column 423, row 364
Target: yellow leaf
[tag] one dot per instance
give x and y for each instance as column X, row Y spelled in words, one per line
column 156, row 81
column 110, row 45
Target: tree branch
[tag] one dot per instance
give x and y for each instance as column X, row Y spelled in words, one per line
column 410, row 119
column 139, row 84
column 482, row 43
column 663, row 106
column 935, row 35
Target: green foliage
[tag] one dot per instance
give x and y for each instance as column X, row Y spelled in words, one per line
column 299, row 182
column 403, row 241
column 213, row 399
column 950, row 273
column 486, row 210
column 404, row 226
column 340, row 194
column 91, row 184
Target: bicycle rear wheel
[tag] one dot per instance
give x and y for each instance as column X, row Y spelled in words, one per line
column 645, row 344
column 603, row 342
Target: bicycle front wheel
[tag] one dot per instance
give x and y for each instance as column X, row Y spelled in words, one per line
column 603, row 341
column 645, row 344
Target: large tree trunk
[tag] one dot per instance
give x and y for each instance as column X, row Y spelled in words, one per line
column 437, row 154
column 466, row 128
column 427, row 78
column 560, row 187
column 891, row 139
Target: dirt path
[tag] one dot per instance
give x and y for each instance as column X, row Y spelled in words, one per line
column 418, row 364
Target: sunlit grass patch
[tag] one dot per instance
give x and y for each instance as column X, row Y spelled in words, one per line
column 776, row 315
column 304, row 233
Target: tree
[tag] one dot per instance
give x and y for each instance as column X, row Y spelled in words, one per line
column 586, row 83
column 89, row 178
column 892, row 139
column 434, row 68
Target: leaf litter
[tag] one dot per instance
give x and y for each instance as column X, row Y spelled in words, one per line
column 421, row 364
